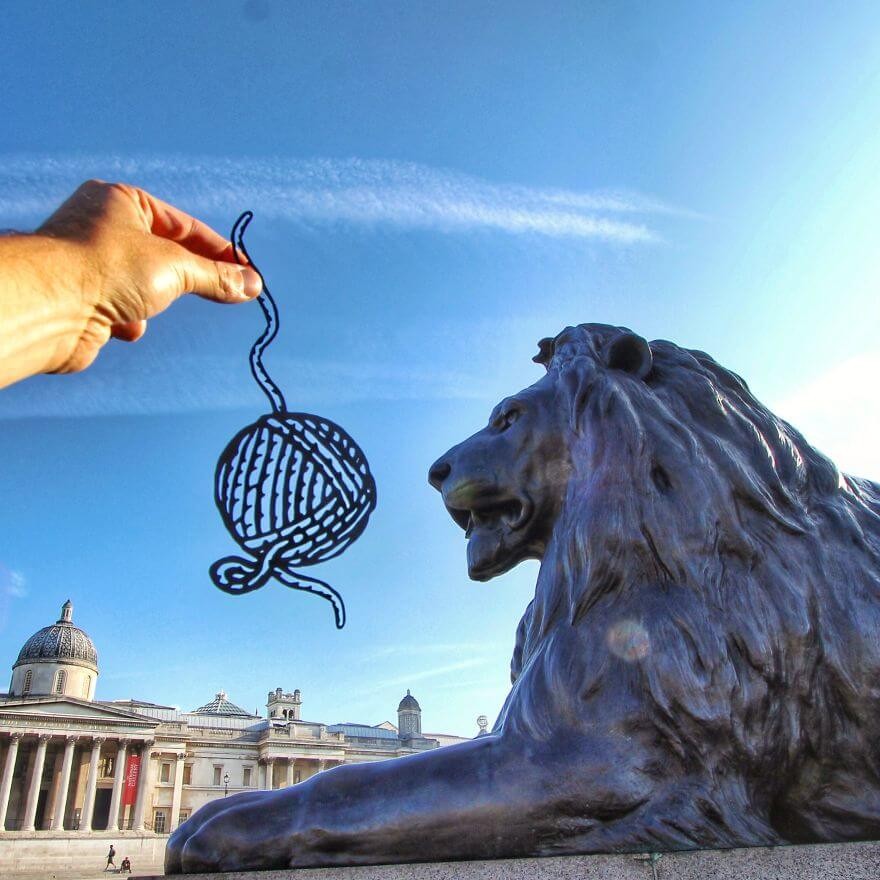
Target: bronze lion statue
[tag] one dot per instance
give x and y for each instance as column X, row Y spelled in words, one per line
column 700, row 664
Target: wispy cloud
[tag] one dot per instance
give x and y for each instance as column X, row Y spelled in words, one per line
column 12, row 583
column 424, row 674
column 357, row 192
column 428, row 649
column 152, row 387
column 489, row 681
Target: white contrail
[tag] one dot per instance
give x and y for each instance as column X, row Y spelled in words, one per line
column 357, row 192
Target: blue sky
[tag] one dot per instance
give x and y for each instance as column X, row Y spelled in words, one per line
column 436, row 186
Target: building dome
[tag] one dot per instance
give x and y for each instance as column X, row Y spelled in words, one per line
column 221, row 706
column 409, row 717
column 59, row 659
column 409, row 702
column 62, row 642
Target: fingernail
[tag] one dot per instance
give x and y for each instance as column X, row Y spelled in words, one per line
column 251, row 283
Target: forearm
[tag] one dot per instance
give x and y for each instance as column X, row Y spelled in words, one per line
column 476, row 801
column 42, row 312
column 487, row 798
column 490, row 797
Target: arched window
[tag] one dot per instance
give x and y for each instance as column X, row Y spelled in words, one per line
column 87, row 682
column 60, row 676
column 28, row 678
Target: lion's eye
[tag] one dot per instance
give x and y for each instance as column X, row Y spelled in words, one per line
column 505, row 419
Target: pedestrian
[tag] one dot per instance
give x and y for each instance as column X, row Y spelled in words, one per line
column 125, row 867
column 110, row 857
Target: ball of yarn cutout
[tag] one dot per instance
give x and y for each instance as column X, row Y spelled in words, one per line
column 296, row 480
column 293, row 489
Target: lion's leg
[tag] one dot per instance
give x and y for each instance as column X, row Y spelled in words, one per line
column 487, row 798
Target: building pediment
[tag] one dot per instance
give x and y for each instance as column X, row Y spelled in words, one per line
column 53, row 710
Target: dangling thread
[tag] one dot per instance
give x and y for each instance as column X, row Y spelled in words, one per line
column 293, row 489
column 270, row 312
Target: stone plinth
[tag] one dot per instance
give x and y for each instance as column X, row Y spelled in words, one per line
column 834, row 861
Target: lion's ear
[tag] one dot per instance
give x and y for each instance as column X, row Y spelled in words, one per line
column 631, row 353
column 545, row 351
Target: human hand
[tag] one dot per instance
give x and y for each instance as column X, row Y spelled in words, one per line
column 127, row 257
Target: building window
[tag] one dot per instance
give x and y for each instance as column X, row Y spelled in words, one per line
column 59, row 681
column 218, row 772
column 165, row 773
column 187, row 774
column 159, row 821
column 28, row 678
column 182, row 816
column 246, row 777
column 87, row 682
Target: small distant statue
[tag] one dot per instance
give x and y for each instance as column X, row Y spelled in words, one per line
column 699, row 666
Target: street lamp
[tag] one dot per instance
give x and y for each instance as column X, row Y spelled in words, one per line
column 225, row 784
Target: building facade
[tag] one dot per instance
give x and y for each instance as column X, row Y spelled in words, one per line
column 71, row 763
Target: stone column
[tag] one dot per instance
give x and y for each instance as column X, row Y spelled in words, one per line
column 118, row 780
column 30, row 809
column 140, row 803
column 88, row 808
column 63, row 785
column 6, row 782
column 270, row 770
column 322, row 765
column 52, row 799
column 175, row 796
column 290, row 763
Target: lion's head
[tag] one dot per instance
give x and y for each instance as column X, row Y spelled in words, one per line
column 506, row 484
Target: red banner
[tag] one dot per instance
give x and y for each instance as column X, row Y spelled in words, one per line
column 132, row 771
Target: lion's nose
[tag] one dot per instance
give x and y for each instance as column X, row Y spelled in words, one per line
column 438, row 473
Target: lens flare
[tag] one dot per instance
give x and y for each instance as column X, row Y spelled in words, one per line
column 629, row 640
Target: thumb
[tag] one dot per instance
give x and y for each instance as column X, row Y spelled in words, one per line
column 129, row 331
column 218, row 280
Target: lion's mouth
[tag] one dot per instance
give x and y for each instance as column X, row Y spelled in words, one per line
column 510, row 513
column 491, row 523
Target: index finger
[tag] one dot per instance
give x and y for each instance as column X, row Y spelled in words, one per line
column 178, row 226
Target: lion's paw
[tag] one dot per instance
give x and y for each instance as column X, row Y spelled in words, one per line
column 225, row 835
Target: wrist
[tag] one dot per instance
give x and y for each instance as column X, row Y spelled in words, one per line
column 63, row 276
column 45, row 304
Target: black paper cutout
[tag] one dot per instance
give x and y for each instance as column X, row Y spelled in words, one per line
column 293, row 489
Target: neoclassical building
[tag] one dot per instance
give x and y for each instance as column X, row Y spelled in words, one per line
column 71, row 763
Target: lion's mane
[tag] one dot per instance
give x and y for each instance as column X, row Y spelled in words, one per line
column 756, row 564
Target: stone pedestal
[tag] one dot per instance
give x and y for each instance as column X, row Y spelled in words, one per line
column 834, row 861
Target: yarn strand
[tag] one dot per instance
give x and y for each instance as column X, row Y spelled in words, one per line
column 270, row 312
column 298, row 581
